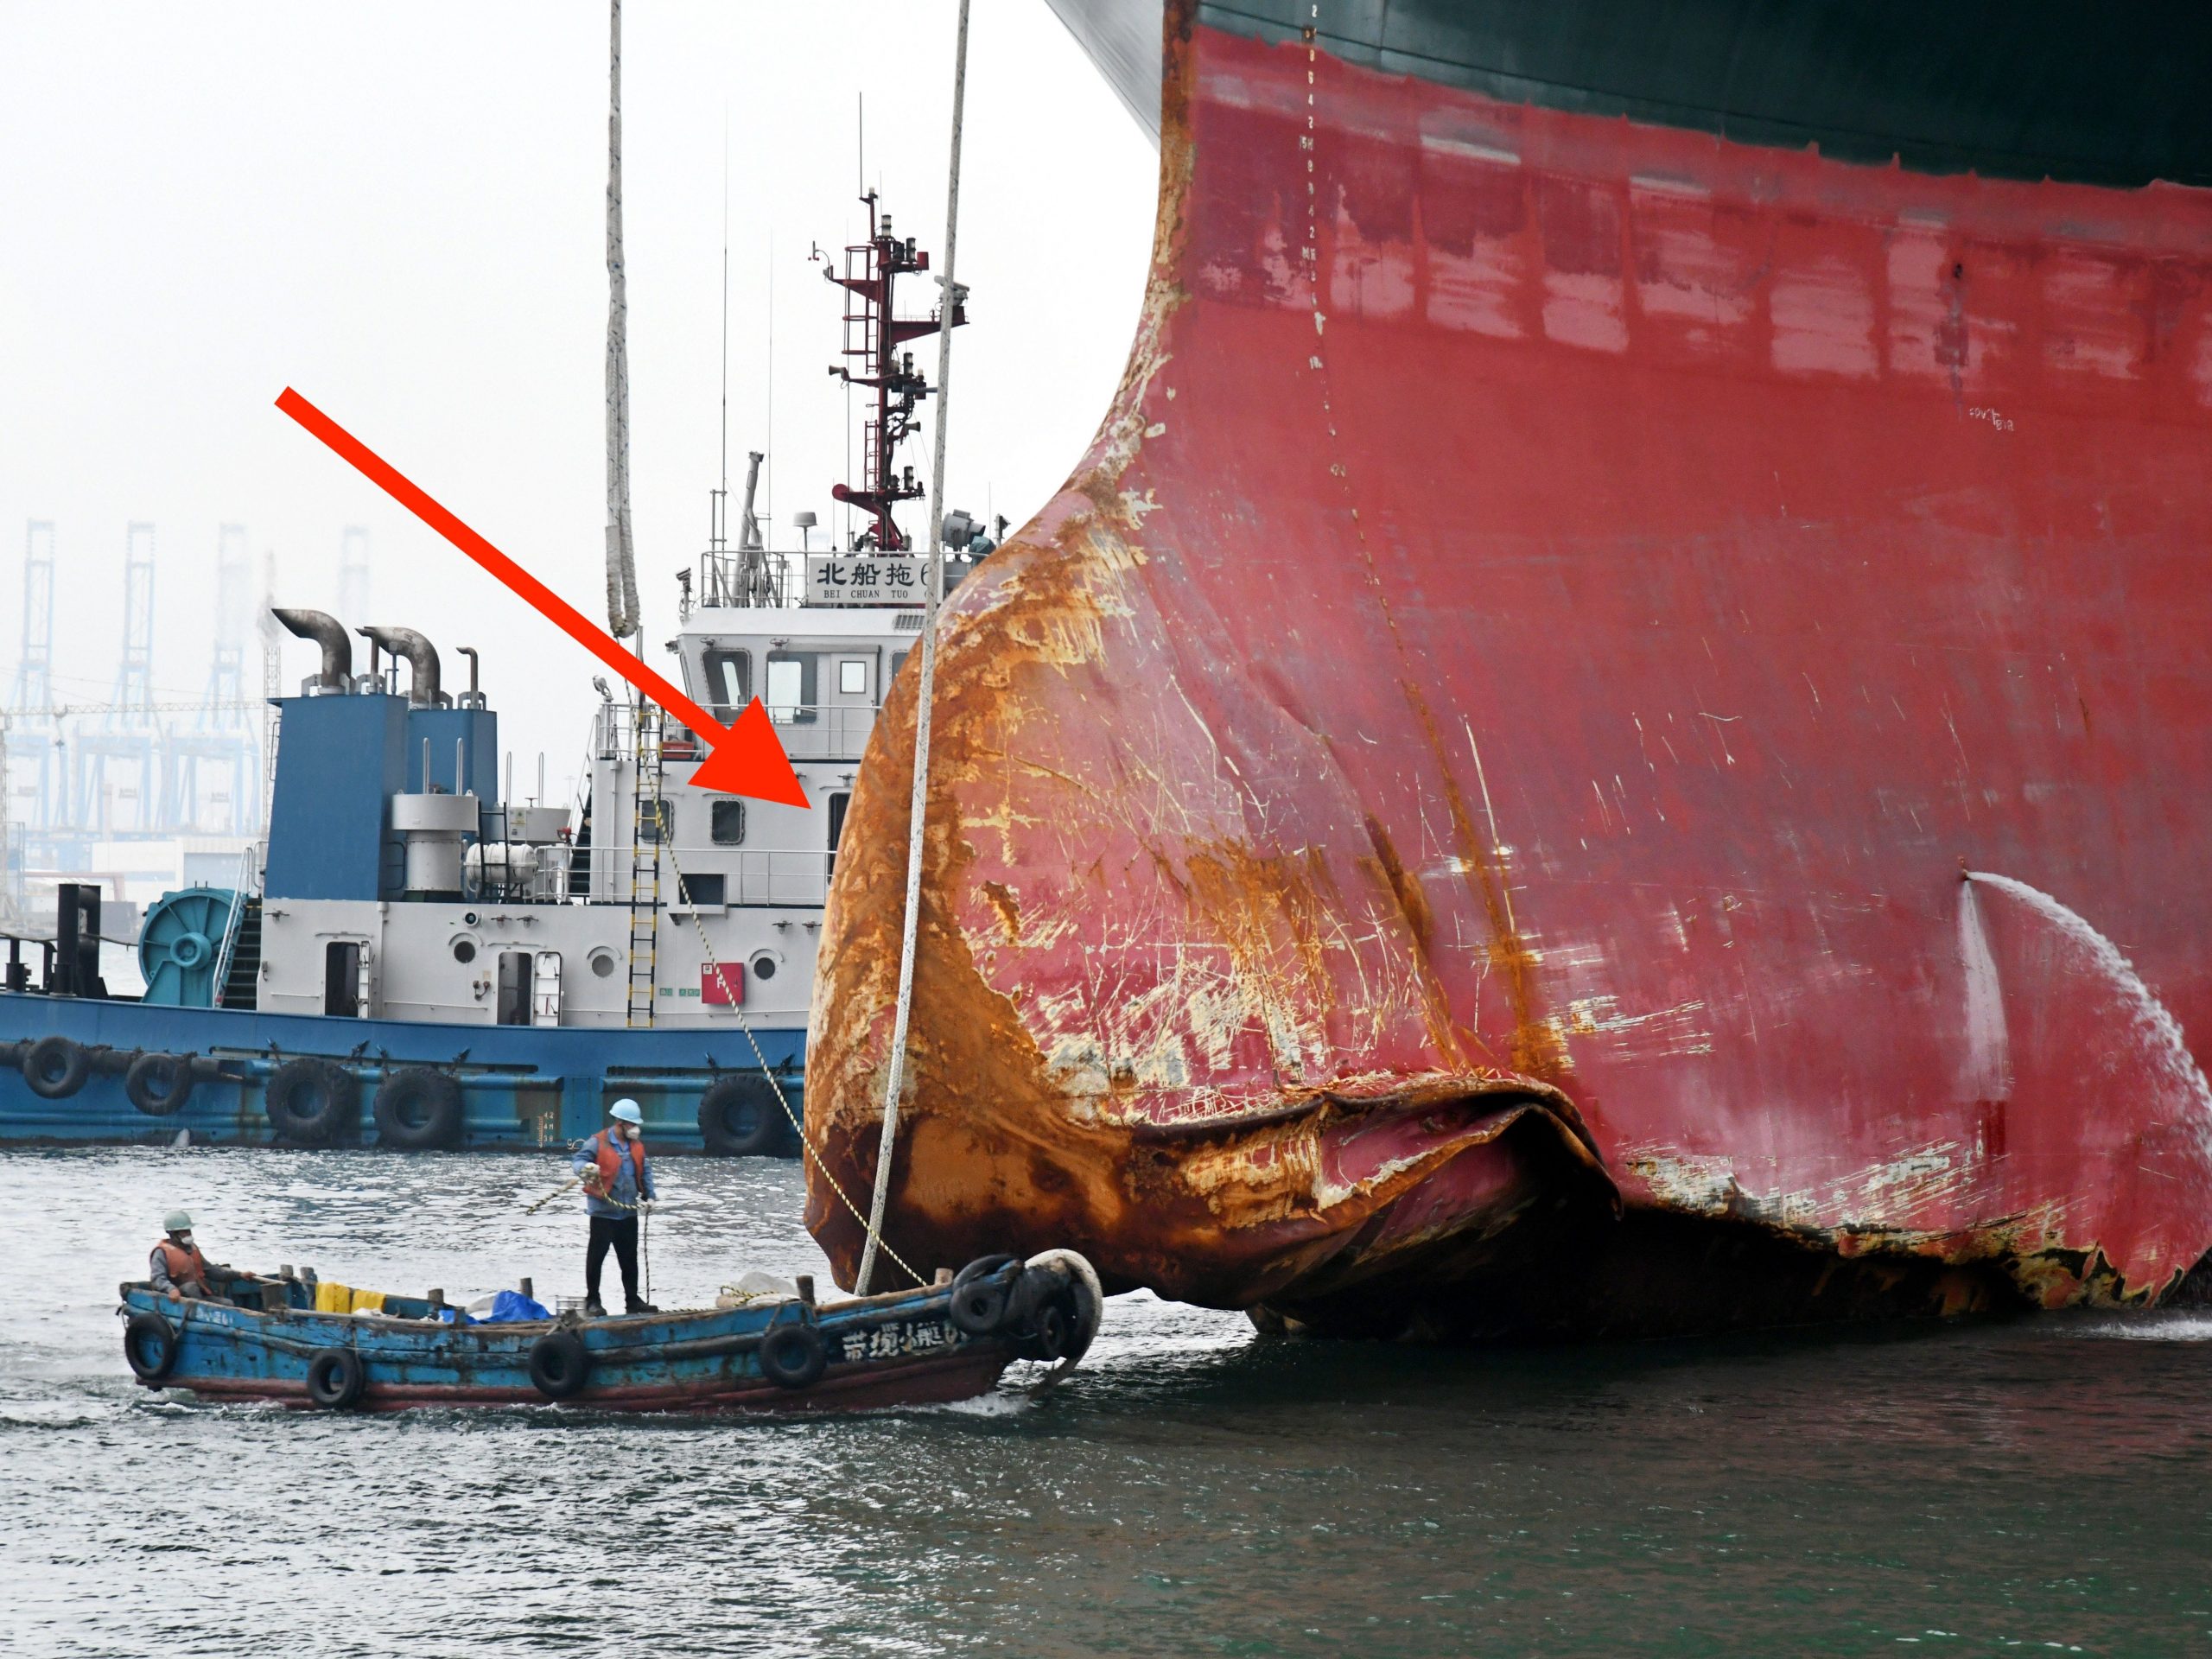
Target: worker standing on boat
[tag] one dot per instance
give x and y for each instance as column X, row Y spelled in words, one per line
column 618, row 1183
column 176, row 1268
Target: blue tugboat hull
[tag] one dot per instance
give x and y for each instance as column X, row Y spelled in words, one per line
column 520, row 1086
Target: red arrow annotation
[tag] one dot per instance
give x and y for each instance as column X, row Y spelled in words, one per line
column 745, row 759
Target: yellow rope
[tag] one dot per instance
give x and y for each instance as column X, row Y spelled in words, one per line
column 799, row 1126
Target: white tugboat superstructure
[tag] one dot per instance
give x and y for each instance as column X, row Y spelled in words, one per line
column 428, row 960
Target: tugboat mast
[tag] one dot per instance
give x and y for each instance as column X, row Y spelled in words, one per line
column 874, row 335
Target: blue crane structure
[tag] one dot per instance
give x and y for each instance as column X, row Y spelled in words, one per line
column 118, row 751
column 211, row 783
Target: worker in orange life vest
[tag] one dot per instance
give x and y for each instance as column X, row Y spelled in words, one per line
column 618, row 1186
column 177, row 1267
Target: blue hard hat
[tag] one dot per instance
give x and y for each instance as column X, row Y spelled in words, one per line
column 626, row 1111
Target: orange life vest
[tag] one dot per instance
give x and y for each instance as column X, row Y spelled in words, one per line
column 185, row 1266
column 610, row 1162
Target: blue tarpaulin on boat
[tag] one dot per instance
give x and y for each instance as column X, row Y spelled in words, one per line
column 510, row 1305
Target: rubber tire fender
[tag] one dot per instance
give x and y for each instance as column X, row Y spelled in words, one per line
column 310, row 1102
column 1051, row 1333
column 982, row 1296
column 435, row 1094
column 1043, row 1316
column 739, row 1118
column 54, row 1067
column 560, row 1365
column 335, row 1378
column 142, row 1082
column 142, row 1327
column 792, row 1356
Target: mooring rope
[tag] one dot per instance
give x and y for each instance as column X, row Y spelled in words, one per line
column 642, row 1210
column 807, row 1149
column 933, row 597
column 799, row 1126
column 574, row 1180
column 622, row 618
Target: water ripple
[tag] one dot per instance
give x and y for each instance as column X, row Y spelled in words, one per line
column 1192, row 1489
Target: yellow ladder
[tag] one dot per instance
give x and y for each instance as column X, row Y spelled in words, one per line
column 648, row 829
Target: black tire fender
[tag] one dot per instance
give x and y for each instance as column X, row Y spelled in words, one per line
column 150, row 1344
column 560, row 1365
column 739, row 1118
column 335, row 1378
column 792, row 1356
column 982, row 1296
column 418, row 1109
column 54, row 1067
column 157, row 1084
column 1050, row 1333
column 311, row 1102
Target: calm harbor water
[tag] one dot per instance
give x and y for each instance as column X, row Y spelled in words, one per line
column 2043, row 1485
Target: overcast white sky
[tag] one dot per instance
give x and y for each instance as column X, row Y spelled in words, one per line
column 398, row 209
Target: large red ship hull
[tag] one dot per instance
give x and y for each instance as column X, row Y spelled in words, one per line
column 1459, row 815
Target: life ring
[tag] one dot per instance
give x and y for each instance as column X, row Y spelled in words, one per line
column 149, row 1345
column 335, row 1377
column 157, row 1084
column 418, row 1109
column 792, row 1356
column 739, row 1118
column 560, row 1365
column 310, row 1102
column 55, row 1068
column 983, row 1291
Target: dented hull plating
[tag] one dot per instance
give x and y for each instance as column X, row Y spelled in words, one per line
column 1458, row 814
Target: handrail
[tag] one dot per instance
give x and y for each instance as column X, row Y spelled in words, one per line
column 231, row 923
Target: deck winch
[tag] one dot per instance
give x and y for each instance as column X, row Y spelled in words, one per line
column 180, row 942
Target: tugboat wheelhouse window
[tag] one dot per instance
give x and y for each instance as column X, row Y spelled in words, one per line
column 852, row 677
column 729, row 681
column 791, row 686
column 729, row 826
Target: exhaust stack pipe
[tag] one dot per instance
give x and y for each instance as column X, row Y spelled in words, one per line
column 474, row 698
column 327, row 632
column 422, row 660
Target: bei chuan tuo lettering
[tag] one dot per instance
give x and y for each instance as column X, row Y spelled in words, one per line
column 865, row 579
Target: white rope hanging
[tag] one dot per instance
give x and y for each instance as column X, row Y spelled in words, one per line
column 622, row 618
column 934, row 596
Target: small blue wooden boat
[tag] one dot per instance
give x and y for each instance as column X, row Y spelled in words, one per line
column 264, row 1338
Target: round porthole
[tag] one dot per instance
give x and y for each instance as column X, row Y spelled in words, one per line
column 469, row 918
column 464, row 949
column 764, row 967
column 602, row 962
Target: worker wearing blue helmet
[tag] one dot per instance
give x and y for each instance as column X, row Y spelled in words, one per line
column 617, row 1185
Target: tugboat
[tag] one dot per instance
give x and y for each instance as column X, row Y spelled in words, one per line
column 428, row 961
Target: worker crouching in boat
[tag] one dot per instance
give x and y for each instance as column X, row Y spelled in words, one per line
column 618, row 1183
column 176, row 1268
